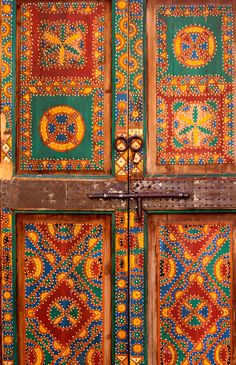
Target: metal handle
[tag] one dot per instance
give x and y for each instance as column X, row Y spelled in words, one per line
column 135, row 143
column 123, row 142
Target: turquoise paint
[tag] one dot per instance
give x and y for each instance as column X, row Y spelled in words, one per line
column 83, row 104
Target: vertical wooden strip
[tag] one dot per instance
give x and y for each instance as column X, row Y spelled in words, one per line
column 7, row 291
column 137, row 111
column 120, row 82
column 7, row 90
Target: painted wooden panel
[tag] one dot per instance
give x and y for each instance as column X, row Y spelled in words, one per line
column 75, row 249
column 192, row 126
column 191, row 268
column 64, row 67
column 64, row 289
column 33, row 150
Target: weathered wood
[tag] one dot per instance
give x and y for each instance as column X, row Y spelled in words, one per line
column 59, row 194
column 208, row 193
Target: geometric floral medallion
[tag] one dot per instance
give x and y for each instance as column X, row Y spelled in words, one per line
column 195, row 126
column 194, row 46
column 64, row 314
column 62, row 128
column 62, row 44
column 195, row 312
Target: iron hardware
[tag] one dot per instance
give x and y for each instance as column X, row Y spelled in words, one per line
column 139, row 197
column 135, row 143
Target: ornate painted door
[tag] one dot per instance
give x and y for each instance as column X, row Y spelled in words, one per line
column 190, row 131
column 133, row 101
column 64, row 97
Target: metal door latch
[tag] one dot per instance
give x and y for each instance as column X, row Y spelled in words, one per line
column 134, row 143
column 139, row 197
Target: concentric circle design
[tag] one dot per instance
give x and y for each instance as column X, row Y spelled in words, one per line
column 167, row 269
column 34, row 354
column 94, row 356
column 62, row 128
column 194, row 46
column 33, row 268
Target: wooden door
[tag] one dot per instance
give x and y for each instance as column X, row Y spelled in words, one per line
column 63, row 88
column 190, row 87
column 64, row 98
column 190, row 257
column 75, row 76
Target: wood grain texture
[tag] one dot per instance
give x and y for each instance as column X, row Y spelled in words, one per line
column 204, row 193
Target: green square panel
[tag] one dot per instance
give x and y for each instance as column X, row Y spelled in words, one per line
column 61, row 133
column 186, row 38
column 50, row 126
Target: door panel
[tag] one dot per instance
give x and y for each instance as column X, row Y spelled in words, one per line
column 64, row 289
column 191, row 127
column 64, row 87
column 190, row 295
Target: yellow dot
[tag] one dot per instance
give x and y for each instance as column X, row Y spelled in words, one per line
column 121, row 4
column 8, row 340
column 121, row 308
column 121, row 335
column 136, row 294
column 121, row 283
column 42, row 329
column 30, row 313
column 6, row 109
column 83, row 334
column 7, row 295
column 66, row 352
column 137, row 322
column 138, row 348
column 6, row 8
column 56, row 345
column 135, row 114
column 7, row 317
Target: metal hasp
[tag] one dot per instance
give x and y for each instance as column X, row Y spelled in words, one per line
column 139, row 197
